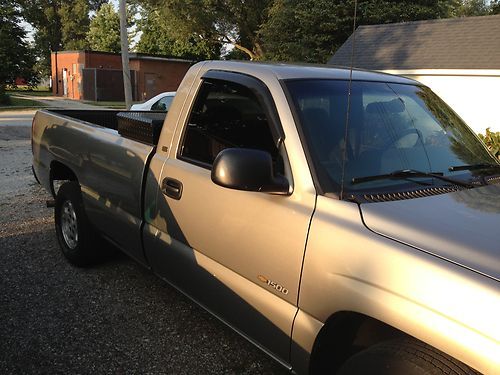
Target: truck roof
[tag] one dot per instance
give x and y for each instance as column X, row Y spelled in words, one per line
column 283, row 71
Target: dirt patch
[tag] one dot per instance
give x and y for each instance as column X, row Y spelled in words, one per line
column 14, row 133
column 16, row 178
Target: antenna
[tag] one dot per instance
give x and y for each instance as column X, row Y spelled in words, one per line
column 344, row 151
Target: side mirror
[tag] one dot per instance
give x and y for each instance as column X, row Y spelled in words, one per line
column 249, row 170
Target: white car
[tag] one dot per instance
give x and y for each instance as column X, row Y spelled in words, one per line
column 160, row 102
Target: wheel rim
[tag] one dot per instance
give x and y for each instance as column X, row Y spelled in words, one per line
column 69, row 226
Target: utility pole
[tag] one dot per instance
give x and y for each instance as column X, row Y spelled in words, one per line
column 127, row 85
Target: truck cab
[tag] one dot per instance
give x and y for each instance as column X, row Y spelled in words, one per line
column 338, row 220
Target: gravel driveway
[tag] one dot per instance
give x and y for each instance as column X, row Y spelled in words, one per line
column 116, row 318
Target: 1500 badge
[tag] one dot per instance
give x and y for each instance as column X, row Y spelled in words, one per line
column 273, row 284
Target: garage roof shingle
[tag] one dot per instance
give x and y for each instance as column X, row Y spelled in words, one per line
column 455, row 43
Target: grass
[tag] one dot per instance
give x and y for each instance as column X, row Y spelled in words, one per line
column 25, row 91
column 27, row 88
column 20, row 103
column 115, row 105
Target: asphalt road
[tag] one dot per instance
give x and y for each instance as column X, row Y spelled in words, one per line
column 115, row 318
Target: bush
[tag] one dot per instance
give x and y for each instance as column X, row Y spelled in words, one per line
column 4, row 98
column 492, row 141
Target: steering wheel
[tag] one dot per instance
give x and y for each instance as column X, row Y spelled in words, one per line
column 401, row 139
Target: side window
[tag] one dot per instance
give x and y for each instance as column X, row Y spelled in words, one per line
column 226, row 115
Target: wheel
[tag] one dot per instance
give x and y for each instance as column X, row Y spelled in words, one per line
column 77, row 239
column 403, row 356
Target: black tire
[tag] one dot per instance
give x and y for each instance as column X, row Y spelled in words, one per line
column 403, row 357
column 77, row 239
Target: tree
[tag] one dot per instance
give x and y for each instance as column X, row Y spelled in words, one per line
column 43, row 15
column 158, row 37
column 75, row 24
column 305, row 30
column 229, row 22
column 16, row 56
column 104, row 31
column 495, row 7
column 312, row 30
column 45, row 18
column 469, row 8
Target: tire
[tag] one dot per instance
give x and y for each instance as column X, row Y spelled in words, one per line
column 403, row 357
column 77, row 239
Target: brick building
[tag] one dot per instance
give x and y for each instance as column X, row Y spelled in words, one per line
column 98, row 76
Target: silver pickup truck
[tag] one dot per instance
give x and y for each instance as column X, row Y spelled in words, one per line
column 342, row 224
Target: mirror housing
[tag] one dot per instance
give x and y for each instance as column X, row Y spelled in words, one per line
column 248, row 170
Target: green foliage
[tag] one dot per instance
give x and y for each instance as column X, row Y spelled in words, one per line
column 312, row 30
column 29, row 91
column 44, row 18
column 495, row 7
column 291, row 30
column 17, row 102
column 4, row 98
column 286, row 30
column 390, row 11
column 213, row 22
column 58, row 25
column 104, row 31
column 469, row 8
column 75, row 24
column 160, row 37
column 304, row 30
column 16, row 55
column 492, row 142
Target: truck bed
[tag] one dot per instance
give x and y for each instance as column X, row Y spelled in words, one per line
column 142, row 126
column 110, row 168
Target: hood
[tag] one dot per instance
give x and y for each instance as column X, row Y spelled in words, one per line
column 462, row 227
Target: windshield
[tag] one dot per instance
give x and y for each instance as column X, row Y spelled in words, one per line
column 392, row 127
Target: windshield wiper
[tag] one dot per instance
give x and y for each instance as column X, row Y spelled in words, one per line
column 408, row 173
column 473, row 166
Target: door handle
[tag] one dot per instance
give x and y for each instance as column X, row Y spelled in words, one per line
column 171, row 188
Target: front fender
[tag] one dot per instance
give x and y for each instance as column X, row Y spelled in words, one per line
column 349, row 268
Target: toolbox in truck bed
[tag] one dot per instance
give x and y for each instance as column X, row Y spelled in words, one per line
column 141, row 126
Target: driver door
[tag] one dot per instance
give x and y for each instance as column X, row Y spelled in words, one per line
column 237, row 253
